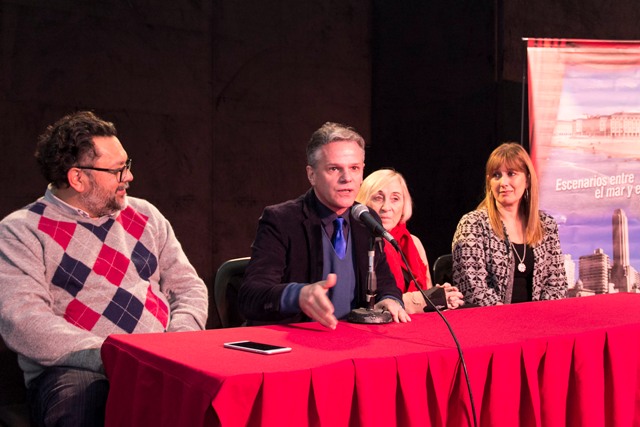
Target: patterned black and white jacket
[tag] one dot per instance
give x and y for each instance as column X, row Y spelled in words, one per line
column 483, row 264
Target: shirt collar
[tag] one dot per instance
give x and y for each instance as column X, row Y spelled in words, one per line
column 327, row 216
column 53, row 199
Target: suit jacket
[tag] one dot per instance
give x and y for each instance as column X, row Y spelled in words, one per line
column 288, row 248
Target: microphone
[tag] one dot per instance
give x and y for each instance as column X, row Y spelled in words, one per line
column 362, row 214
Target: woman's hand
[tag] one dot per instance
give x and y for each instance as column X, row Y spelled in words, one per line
column 454, row 297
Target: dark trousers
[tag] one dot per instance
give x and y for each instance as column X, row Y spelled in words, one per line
column 63, row 396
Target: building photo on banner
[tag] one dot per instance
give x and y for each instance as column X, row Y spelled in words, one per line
column 584, row 115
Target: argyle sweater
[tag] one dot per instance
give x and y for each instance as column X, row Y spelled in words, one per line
column 68, row 281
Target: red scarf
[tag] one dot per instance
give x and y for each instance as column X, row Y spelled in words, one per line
column 418, row 268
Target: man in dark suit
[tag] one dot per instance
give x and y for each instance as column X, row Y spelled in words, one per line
column 309, row 259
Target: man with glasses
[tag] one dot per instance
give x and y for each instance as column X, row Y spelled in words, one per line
column 83, row 262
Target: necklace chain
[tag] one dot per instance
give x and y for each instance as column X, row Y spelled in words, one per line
column 521, row 266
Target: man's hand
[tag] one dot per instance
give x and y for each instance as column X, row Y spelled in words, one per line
column 315, row 303
column 396, row 310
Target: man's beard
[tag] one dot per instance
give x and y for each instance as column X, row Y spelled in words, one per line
column 98, row 202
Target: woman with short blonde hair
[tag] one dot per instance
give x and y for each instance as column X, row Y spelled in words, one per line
column 386, row 192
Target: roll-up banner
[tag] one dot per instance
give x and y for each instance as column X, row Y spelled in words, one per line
column 584, row 124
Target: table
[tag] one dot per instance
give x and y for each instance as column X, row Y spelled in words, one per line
column 573, row 362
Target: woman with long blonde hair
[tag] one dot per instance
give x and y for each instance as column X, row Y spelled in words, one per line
column 507, row 250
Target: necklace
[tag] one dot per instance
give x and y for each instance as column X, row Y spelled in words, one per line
column 521, row 267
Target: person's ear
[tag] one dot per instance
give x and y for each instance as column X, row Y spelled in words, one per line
column 311, row 176
column 77, row 179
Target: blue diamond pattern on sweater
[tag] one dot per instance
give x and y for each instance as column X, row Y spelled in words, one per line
column 37, row 208
column 145, row 262
column 100, row 232
column 70, row 275
column 124, row 310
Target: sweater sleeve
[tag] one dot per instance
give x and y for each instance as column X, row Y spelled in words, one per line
column 469, row 249
column 555, row 283
column 186, row 292
column 28, row 323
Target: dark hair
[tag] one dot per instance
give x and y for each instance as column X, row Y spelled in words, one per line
column 330, row 132
column 67, row 142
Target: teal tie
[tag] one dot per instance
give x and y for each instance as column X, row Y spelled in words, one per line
column 339, row 242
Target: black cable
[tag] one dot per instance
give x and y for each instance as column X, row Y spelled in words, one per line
column 455, row 339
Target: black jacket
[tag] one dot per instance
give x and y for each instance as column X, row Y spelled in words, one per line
column 288, row 248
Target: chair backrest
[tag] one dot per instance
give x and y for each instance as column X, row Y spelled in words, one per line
column 225, row 291
column 442, row 270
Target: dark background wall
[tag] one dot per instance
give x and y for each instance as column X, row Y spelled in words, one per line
column 215, row 100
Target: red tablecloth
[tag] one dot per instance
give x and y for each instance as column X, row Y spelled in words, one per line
column 573, row 362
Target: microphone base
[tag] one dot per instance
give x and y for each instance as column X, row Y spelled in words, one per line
column 364, row 315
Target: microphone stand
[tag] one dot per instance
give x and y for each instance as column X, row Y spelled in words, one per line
column 446, row 322
column 370, row 314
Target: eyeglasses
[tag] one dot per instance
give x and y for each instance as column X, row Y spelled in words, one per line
column 120, row 173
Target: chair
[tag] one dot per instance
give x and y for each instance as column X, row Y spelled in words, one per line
column 225, row 290
column 442, row 270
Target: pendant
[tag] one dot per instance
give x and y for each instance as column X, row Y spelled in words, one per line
column 522, row 267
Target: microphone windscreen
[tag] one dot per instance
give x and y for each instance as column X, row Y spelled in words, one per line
column 358, row 210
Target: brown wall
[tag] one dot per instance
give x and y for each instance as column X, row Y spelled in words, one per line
column 289, row 67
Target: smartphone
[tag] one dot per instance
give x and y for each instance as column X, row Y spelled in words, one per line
column 257, row 347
